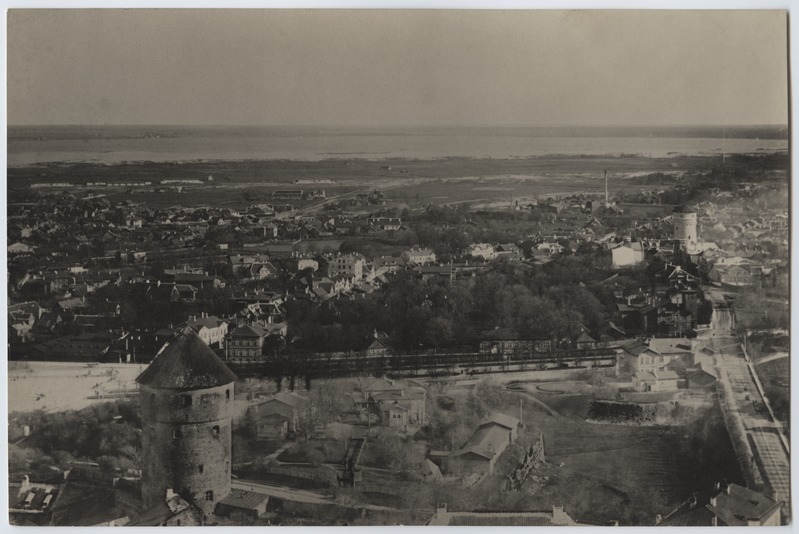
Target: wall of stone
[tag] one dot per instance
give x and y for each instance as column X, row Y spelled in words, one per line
column 178, row 438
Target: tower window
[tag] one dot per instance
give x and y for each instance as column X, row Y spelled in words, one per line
column 209, row 495
column 201, row 468
column 187, row 400
column 215, row 430
column 227, row 394
column 177, row 434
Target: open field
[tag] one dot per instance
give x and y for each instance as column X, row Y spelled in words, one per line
column 287, row 171
column 56, row 386
column 635, row 472
column 410, row 182
column 61, row 386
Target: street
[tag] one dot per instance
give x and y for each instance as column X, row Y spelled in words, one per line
column 747, row 404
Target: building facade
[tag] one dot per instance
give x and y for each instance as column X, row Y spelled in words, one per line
column 245, row 344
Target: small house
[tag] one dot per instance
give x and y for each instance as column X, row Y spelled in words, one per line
column 279, row 414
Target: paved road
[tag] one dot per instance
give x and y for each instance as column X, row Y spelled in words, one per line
column 282, row 492
column 770, row 452
column 296, row 495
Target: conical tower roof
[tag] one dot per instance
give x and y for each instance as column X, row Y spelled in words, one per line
column 186, row 363
column 683, row 208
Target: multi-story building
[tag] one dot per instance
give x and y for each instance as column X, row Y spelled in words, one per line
column 351, row 265
column 245, row 344
column 211, row 329
column 419, row 256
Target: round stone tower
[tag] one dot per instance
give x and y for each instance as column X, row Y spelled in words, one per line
column 186, row 396
column 684, row 219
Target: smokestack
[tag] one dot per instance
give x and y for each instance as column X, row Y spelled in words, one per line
column 607, row 202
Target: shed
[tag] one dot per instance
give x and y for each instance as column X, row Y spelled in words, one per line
column 701, row 379
column 241, row 503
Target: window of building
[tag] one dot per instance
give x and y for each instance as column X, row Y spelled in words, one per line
column 227, row 394
column 201, row 468
column 209, row 495
column 187, row 400
column 177, row 434
column 215, row 430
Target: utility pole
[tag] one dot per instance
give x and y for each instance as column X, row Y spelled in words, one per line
column 723, row 143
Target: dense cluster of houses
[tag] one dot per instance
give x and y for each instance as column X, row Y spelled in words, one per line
column 62, row 249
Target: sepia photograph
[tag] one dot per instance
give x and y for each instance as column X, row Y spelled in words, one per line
column 445, row 267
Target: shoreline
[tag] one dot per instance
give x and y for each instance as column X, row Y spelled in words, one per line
column 360, row 157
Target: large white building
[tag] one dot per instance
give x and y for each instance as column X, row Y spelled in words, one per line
column 419, row 256
column 627, row 255
column 211, row 329
column 481, row 250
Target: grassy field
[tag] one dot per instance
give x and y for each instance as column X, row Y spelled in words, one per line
column 409, row 177
column 601, row 473
column 774, row 376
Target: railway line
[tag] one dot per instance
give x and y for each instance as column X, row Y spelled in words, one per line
column 429, row 363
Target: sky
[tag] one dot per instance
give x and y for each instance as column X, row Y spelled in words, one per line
column 397, row 67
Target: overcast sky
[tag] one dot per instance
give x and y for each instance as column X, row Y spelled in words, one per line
column 403, row 68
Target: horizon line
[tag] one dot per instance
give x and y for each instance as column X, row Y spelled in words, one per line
column 396, row 126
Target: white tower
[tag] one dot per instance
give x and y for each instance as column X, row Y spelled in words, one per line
column 684, row 219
